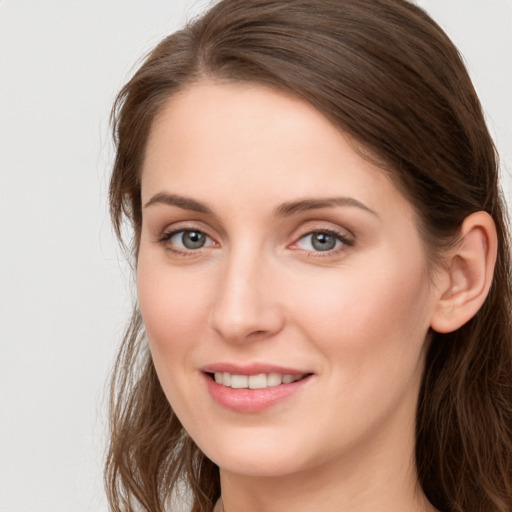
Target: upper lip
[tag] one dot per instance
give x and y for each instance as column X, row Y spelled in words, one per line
column 251, row 369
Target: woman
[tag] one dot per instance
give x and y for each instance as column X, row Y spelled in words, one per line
column 323, row 270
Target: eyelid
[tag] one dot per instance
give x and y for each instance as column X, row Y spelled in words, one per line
column 171, row 234
column 323, row 226
column 345, row 236
column 164, row 236
column 183, row 225
column 339, row 234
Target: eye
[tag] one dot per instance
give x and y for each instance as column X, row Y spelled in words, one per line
column 187, row 239
column 322, row 241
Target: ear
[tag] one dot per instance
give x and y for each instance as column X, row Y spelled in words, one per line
column 468, row 274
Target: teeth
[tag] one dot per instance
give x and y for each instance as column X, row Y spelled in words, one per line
column 274, row 379
column 239, row 381
column 260, row 381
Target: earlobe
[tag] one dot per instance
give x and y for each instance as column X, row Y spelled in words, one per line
column 468, row 274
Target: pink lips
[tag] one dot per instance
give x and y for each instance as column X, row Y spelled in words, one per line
column 251, row 400
column 250, row 369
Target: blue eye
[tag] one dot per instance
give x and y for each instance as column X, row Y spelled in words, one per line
column 322, row 241
column 188, row 239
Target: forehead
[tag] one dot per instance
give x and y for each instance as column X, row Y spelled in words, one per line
column 228, row 141
column 226, row 117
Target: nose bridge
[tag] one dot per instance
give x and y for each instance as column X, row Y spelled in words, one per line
column 245, row 303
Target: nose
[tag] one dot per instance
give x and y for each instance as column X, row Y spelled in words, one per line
column 246, row 306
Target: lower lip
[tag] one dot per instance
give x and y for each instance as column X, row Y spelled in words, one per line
column 252, row 400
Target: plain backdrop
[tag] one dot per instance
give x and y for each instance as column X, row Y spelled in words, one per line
column 65, row 291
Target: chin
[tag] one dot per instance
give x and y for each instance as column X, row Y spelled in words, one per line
column 258, row 465
column 254, row 459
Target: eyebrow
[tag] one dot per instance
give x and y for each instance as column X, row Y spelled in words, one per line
column 186, row 203
column 305, row 205
column 284, row 210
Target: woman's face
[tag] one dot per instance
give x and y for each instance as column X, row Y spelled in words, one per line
column 276, row 257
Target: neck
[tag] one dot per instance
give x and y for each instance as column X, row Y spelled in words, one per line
column 326, row 490
column 381, row 477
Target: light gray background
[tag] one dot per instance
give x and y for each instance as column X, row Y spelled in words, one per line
column 64, row 289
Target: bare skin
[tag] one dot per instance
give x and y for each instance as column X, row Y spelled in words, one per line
column 268, row 240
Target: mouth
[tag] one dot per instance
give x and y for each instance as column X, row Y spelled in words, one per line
column 257, row 381
column 253, row 389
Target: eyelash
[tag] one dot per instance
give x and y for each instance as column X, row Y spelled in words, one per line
column 345, row 242
column 165, row 238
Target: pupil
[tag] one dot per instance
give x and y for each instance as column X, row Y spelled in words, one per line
column 323, row 242
column 193, row 239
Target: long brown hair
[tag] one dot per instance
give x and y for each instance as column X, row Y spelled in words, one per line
column 385, row 73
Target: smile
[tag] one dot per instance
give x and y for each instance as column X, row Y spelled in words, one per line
column 259, row 381
column 253, row 390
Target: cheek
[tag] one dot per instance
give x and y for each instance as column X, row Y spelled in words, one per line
column 365, row 311
column 370, row 327
column 173, row 306
column 174, row 310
